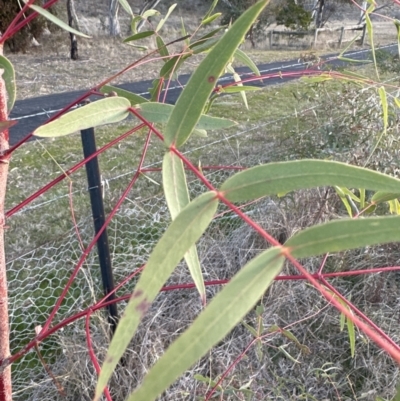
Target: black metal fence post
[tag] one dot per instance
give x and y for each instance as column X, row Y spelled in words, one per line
column 96, row 200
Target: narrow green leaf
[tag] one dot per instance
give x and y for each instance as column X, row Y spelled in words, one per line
column 235, row 89
column 252, row 330
column 202, row 133
column 139, row 35
column 394, row 206
column 162, row 49
column 204, row 38
column 175, row 184
column 211, row 18
column 274, row 178
column 172, row 66
column 351, row 60
column 246, row 60
column 350, row 194
column 193, row 98
column 163, row 20
column 160, row 112
column 397, row 101
column 104, row 111
column 125, row 5
column 177, row 197
column 184, row 32
column 385, row 109
column 6, row 124
column 205, row 46
column 385, row 113
column 150, row 13
column 223, row 313
column 55, row 20
column 183, row 232
column 282, row 348
column 342, row 321
column 352, row 336
column 134, row 22
column 207, row 380
column 370, row 31
column 132, row 97
column 155, row 90
column 238, row 80
column 397, row 25
column 289, row 335
column 344, row 200
column 9, row 80
column 342, row 235
column 317, row 79
column 211, row 9
column 362, row 198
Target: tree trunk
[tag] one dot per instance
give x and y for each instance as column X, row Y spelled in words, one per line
column 320, row 13
column 72, row 22
column 5, row 375
column 115, row 29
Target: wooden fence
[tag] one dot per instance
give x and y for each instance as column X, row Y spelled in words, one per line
column 314, row 33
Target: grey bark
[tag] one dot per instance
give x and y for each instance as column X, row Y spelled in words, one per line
column 115, row 28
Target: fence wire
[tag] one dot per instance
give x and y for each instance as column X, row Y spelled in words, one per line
column 44, row 250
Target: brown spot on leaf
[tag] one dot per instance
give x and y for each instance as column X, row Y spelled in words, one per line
column 211, row 79
column 137, row 294
column 109, row 359
column 143, row 307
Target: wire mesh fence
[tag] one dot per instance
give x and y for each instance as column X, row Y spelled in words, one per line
column 44, row 247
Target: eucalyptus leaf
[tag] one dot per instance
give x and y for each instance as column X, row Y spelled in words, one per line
column 183, row 232
column 9, row 80
column 177, row 197
column 104, row 111
column 172, row 66
column 224, row 312
column 139, row 35
column 274, row 178
column 381, row 196
column 343, row 235
column 51, row 17
column 125, row 5
column 162, row 49
column 163, row 20
column 191, row 102
column 132, row 97
column 246, row 60
column 211, row 18
column 160, row 113
column 150, row 13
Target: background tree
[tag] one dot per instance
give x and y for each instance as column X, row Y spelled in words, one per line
column 73, row 23
column 115, row 28
column 19, row 42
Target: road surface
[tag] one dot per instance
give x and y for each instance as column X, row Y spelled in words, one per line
column 31, row 113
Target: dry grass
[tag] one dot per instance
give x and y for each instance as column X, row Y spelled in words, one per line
column 324, row 369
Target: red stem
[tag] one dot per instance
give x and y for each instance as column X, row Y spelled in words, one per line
column 5, row 375
column 92, row 355
column 67, row 173
column 94, row 241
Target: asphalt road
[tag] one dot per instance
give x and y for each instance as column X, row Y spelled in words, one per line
column 31, row 113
